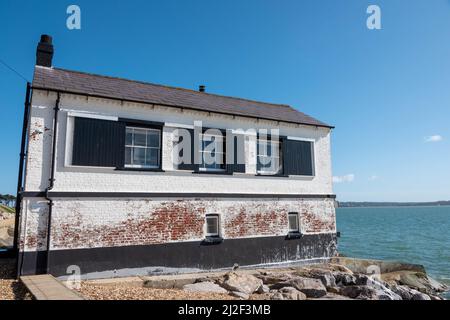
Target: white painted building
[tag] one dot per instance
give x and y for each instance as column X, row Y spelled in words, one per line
column 104, row 188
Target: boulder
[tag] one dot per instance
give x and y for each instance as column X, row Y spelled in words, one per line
column 325, row 276
column 263, row 289
column 290, row 293
column 204, row 286
column 421, row 282
column 344, row 279
column 334, row 296
column 241, row 282
column 403, row 291
column 167, row 283
column 272, row 278
column 420, row 296
column 408, row 293
column 276, row 296
column 340, row 268
column 335, row 290
column 366, row 265
column 313, row 288
column 369, row 293
column 240, row 295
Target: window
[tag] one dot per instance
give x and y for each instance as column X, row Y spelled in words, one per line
column 299, row 158
column 142, row 147
column 269, row 157
column 293, row 222
column 97, row 142
column 212, row 225
column 212, row 153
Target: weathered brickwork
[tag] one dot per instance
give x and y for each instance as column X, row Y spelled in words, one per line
column 107, row 223
column 83, row 223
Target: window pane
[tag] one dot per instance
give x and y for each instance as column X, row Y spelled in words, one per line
column 152, row 157
column 128, row 155
column 139, row 137
column 212, row 225
column 153, row 138
column 262, row 148
column 206, row 141
column 129, row 137
column 139, row 156
column 293, row 222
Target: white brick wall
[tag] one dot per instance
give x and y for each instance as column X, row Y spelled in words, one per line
column 100, row 179
column 81, row 223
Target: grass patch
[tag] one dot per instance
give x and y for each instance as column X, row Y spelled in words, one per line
column 7, row 209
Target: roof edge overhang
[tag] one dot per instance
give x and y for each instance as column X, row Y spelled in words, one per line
column 174, row 106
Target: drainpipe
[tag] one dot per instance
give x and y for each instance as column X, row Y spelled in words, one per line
column 20, row 175
column 51, row 180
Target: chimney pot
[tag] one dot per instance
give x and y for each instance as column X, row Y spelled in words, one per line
column 201, row 88
column 44, row 51
column 46, row 38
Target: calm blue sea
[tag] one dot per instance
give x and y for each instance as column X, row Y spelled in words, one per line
column 418, row 235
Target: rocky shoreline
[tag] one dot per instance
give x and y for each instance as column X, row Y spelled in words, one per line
column 341, row 279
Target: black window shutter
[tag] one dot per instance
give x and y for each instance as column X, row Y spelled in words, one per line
column 239, row 149
column 98, row 143
column 188, row 166
column 298, row 158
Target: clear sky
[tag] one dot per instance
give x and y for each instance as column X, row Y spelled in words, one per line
column 387, row 91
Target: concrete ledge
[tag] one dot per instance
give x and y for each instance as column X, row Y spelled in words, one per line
column 365, row 266
column 46, row 287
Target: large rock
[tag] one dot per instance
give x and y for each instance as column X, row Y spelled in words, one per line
column 274, row 277
column 276, row 296
column 340, row 268
column 420, row 296
column 240, row 295
column 204, row 286
column 344, row 279
column 176, row 283
column 421, row 282
column 290, row 293
column 408, row 293
column 369, row 293
column 263, row 289
column 367, row 266
column 334, row 296
column 403, row 291
column 325, row 276
column 313, row 288
column 241, row 282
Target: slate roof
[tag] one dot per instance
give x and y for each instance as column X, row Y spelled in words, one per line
column 136, row 91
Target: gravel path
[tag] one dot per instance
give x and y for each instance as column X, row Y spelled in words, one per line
column 11, row 289
column 121, row 292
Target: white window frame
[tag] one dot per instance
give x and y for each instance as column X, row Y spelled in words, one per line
column 296, row 230
column 212, row 216
column 217, row 138
column 259, row 154
column 132, row 146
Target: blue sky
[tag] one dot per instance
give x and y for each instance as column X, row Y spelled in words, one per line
column 384, row 90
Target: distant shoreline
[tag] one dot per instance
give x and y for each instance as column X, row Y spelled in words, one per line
column 354, row 204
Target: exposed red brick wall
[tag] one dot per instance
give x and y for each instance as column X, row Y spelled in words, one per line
column 103, row 223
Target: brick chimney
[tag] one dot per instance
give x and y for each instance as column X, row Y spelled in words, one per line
column 44, row 52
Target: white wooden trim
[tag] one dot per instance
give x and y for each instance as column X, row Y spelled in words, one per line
column 92, row 116
column 300, row 139
column 179, row 125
